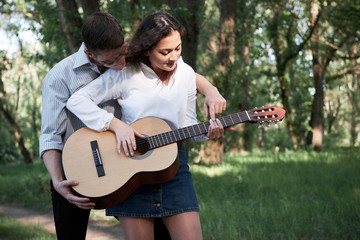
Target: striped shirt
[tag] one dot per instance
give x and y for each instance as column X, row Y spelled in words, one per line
column 65, row 78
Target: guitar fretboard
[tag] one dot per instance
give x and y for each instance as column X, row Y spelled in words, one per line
column 181, row 134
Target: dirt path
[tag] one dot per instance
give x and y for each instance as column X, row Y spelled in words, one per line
column 98, row 229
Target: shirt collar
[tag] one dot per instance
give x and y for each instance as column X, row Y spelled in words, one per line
column 149, row 73
column 81, row 58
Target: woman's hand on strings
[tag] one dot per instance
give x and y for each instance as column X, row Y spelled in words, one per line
column 125, row 136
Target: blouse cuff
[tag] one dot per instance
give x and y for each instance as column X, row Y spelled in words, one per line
column 106, row 121
column 200, row 138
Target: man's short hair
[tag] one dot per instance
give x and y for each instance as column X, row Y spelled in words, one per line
column 102, row 31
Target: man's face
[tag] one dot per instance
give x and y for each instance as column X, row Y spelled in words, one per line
column 110, row 58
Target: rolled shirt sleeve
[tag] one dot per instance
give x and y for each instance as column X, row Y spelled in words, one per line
column 53, row 121
column 84, row 102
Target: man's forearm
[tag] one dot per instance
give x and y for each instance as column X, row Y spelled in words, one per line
column 214, row 103
column 204, row 86
column 52, row 161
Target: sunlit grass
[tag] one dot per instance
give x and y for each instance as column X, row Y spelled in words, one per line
column 285, row 195
column 293, row 195
column 12, row 230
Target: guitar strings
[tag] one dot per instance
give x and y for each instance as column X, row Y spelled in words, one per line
column 142, row 144
column 161, row 139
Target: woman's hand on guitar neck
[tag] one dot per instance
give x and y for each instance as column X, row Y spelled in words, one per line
column 125, row 136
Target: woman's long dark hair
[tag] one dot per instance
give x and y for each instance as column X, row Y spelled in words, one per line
column 152, row 29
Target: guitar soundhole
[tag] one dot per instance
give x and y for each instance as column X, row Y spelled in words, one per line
column 142, row 146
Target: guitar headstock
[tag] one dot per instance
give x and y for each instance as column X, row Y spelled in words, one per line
column 266, row 114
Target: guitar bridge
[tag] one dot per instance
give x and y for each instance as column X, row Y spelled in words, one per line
column 97, row 158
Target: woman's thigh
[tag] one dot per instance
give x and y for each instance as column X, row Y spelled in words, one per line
column 184, row 226
column 137, row 228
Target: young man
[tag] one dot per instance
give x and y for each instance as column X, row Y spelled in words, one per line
column 103, row 47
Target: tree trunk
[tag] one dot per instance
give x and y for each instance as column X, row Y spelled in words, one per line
column 283, row 58
column 354, row 97
column 317, row 121
column 18, row 135
column 70, row 23
column 191, row 22
column 211, row 152
column 6, row 112
column 281, row 64
column 244, row 31
column 333, row 109
column 226, row 56
column 247, row 132
column 353, row 117
column 89, row 7
column 226, row 47
column 244, row 53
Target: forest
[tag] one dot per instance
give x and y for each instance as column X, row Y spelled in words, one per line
column 302, row 56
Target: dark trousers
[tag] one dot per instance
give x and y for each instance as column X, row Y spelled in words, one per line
column 71, row 222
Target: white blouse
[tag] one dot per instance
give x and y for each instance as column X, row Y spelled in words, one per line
column 140, row 94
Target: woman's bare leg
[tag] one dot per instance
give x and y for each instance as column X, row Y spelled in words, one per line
column 137, row 228
column 184, row 226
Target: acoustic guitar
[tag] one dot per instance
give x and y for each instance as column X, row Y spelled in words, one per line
column 108, row 178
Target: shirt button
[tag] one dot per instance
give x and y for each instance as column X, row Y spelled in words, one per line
column 158, row 204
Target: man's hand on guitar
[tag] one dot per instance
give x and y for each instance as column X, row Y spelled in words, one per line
column 216, row 129
column 125, row 136
column 64, row 188
column 214, row 104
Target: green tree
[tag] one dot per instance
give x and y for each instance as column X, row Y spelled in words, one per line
column 287, row 40
column 8, row 113
column 331, row 41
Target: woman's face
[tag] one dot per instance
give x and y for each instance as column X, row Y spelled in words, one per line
column 166, row 53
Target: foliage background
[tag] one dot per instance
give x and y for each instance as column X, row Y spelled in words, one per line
column 300, row 55
column 255, row 52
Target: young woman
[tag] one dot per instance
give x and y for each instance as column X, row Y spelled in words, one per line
column 155, row 82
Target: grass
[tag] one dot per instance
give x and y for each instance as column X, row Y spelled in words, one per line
column 287, row 195
column 12, row 230
column 26, row 185
column 295, row 195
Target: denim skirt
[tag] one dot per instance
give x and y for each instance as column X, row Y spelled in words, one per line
column 160, row 200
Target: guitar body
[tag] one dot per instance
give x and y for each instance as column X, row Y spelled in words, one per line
column 122, row 174
column 108, row 178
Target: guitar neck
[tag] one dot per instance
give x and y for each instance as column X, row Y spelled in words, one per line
column 181, row 134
